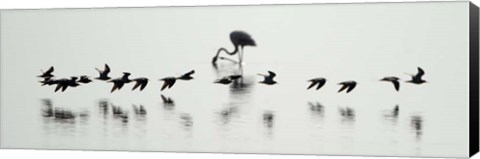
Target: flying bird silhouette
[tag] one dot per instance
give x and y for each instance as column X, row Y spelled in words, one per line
column 48, row 73
column 187, row 76
column 140, row 82
column 84, row 79
column 48, row 81
column 168, row 82
column 228, row 79
column 119, row 82
column 103, row 74
column 417, row 79
column 394, row 80
column 65, row 83
column 317, row 81
column 239, row 39
column 268, row 79
column 349, row 85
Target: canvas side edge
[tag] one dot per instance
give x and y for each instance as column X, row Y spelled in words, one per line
column 473, row 81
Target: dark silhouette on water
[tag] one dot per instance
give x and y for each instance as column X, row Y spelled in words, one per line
column 228, row 79
column 394, row 80
column 140, row 82
column 103, row 74
column 84, row 79
column 186, row 120
column 416, row 124
column 268, row 79
column 417, row 79
column 168, row 102
column 47, row 74
column 317, row 81
column 119, row 82
column 349, row 85
column 139, row 110
column 239, row 40
column 268, row 118
column 62, row 114
column 317, row 107
column 64, row 83
column 168, row 82
column 47, row 110
column 119, row 113
column 187, row 76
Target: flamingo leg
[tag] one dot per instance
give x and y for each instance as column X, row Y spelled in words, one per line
column 240, row 56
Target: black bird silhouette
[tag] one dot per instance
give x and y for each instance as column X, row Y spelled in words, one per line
column 417, row 79
column 64, row 83
column 119, row 82
column 268, row 79
column 140, row 82
column 168, row 82
column 349, row 85
column 317, row 81
column 394, row 80
column 239, row 39
column 103, row 74
column 84, row 79
column 48, row 81
column 187, row 76
column 48, row 73
column 228, row 79
column 224, row 80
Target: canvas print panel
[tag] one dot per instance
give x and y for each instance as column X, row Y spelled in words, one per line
column 383, row 79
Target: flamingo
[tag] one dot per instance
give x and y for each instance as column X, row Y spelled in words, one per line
column 239, row 40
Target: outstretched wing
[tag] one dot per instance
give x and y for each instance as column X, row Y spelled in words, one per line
column 344, row 86
column 397, row 85
column 312, row 84
column 351, row 87
column 107, row 69
column 171, row 83
column 271, row 74
column 420, row 72
column 58, row 87
column 144, row 84
column 165, row 85
column 136, row 85
column 320, row 84
column 50, row 70
column 189, row 73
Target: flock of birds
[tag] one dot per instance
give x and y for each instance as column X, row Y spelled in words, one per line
column 118, row 83
column 240, row 39
column 168, row 82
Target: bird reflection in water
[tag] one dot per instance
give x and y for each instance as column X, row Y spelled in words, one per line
column 416, row 126
column 316, row 109
column 227, row 114
column 47, row 109
column 103, row 108
column 268, row 118
column 392, row 115
column 347, row 114
column 120, row 114
column 186, row 120
column 168, row 103
column 140, row 112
